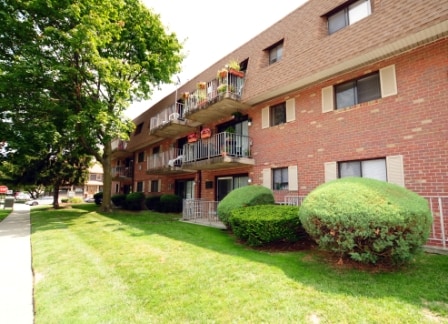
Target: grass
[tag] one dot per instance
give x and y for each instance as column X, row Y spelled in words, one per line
column 150, row 268
column 4, row 213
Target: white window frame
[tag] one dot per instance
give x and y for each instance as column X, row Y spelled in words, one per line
column 388, row 87
column 290, row 114
column 394, row 170
column 351, row 13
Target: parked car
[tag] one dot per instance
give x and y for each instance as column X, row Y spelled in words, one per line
column 45, row 200
column 22, row 196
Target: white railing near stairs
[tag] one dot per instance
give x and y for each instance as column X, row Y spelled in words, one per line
column 204, row 212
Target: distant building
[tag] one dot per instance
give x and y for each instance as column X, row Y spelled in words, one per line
column 94, row 183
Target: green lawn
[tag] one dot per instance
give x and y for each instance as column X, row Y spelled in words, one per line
column 4, row 213
column 150, row 268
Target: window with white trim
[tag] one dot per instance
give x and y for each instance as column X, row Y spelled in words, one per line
column 380, row 84
column 388, row 169
column 141, row 157
column 280, row 179
column 374, row 169
column 275, row 53
column 278, row 114
column 138, row 129
column 357, row 91
column 285, row 178
column 140, row 186
column 348, row 14
column 155, row 185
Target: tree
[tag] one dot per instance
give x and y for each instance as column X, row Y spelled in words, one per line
column 94, row 58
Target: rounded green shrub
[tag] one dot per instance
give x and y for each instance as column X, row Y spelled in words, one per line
column 98, row 198
column 242, row 197
column 134, row 201
column 119, row 200
column 368, row 220
column 260, row 225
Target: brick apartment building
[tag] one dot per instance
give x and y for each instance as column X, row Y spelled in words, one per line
column 334, row 89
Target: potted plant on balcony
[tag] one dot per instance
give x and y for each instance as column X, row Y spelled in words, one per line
column 193, row 137
column 234, row 68
column 222, row 74
column 206, row 133
column 201, row 85
column 185, row 95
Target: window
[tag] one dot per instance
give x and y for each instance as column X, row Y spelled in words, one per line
column 380, row 84
column 374, row 169
column 280, row 179
column 347, row 15
column 356, row 91
column 277, row 114
column 140, row 186
column 141, row 157
column 154, row 185
column 96, row 177
column 138, row 129
column 275, row 53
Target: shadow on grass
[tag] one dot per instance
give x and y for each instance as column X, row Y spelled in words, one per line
column 422, row 283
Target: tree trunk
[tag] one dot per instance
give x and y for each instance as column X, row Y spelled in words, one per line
column 56, row 196
column 107, row 178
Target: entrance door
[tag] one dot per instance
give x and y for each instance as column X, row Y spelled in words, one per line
column 184, row 189
column 223, row 187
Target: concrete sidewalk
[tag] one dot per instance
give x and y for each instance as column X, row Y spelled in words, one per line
column 16, row 275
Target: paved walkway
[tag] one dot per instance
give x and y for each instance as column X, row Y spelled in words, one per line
column 16, row 275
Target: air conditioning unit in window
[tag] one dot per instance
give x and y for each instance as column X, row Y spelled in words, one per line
column 173, row 116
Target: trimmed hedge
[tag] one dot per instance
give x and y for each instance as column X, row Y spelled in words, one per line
column 260, row 225
column 119, row 200
column 134, row 201
column 153, row 203
column 170, row 203
column 242, row 197
column 368, row 220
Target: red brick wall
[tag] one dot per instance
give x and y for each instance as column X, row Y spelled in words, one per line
column 412, row 123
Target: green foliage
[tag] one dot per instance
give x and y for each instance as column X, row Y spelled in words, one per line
column 98, row 198
column 152, row 202
column 119, row 200
column 134, row 201
column 242, row 197
column 74, row 68
column 259, row 225
column 368, row 220
column 170, row 204
column 75, row 200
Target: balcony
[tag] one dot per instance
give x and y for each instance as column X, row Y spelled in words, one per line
column 214, row 100
column 171, row 122
column 169, row 162
column 222, row 150
column 119, row 148
column 122, row 173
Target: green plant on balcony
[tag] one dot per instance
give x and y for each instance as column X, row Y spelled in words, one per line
column 225, row 88
column 234, row 65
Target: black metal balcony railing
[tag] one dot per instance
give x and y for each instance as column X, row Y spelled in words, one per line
column 217, row 145
column 213, row 91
